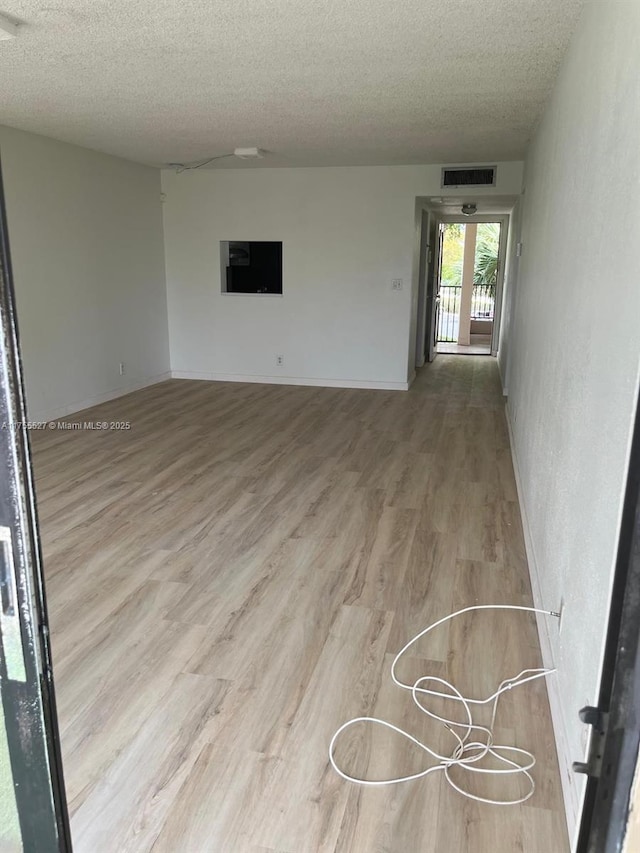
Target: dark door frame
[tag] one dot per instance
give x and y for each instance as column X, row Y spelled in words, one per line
column 26, row 675
column 609, row 788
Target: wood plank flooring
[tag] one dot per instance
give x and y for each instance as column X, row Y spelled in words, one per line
column 228, row 582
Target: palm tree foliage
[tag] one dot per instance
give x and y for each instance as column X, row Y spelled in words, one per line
column 485, row 269
column 486, row 258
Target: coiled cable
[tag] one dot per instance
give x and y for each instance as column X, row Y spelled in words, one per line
column 469, row 751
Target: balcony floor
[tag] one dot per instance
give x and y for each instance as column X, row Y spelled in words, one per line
column 481, row 345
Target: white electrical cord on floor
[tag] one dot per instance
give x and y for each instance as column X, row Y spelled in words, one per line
column 467, row 753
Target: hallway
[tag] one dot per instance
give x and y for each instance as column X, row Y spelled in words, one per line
column 229, row 581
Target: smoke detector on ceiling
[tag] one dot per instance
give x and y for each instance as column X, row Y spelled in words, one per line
column 248, row 153
column 469, row 209
column 242, row 154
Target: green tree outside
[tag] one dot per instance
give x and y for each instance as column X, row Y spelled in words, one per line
column 486, row 259
column 452, row 254
column 485, row 269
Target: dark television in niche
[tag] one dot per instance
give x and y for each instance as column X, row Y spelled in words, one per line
column 251, row 266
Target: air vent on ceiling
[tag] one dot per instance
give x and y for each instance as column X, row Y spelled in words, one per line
column 460, row 176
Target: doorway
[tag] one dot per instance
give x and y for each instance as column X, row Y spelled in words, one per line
column 467, row 287
column 476, row 310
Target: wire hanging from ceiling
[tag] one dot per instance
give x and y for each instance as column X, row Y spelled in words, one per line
column 181, row 167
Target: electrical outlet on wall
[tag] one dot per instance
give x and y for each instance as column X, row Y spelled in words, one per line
column 396, row 284
column 279, row 360
column 122, row 370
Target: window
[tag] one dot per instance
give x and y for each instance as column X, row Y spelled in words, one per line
column 251, row 267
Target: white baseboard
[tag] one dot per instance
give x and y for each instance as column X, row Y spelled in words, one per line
column 291, row 380
column 89, row 402
column 505, row 390
column 570, row 785
column 97, row 399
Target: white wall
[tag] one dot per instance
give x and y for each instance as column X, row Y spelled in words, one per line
column 509, row 293
column 346, row 233
column 574, row 347
column 85, row 233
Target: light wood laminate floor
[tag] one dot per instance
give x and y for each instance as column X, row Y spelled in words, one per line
column 228, row 582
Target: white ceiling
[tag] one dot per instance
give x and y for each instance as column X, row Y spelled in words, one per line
column 314, row 82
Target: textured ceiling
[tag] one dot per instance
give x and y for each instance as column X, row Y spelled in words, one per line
column 314, row 83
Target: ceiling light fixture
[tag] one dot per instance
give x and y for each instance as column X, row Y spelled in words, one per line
column 469, row 209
